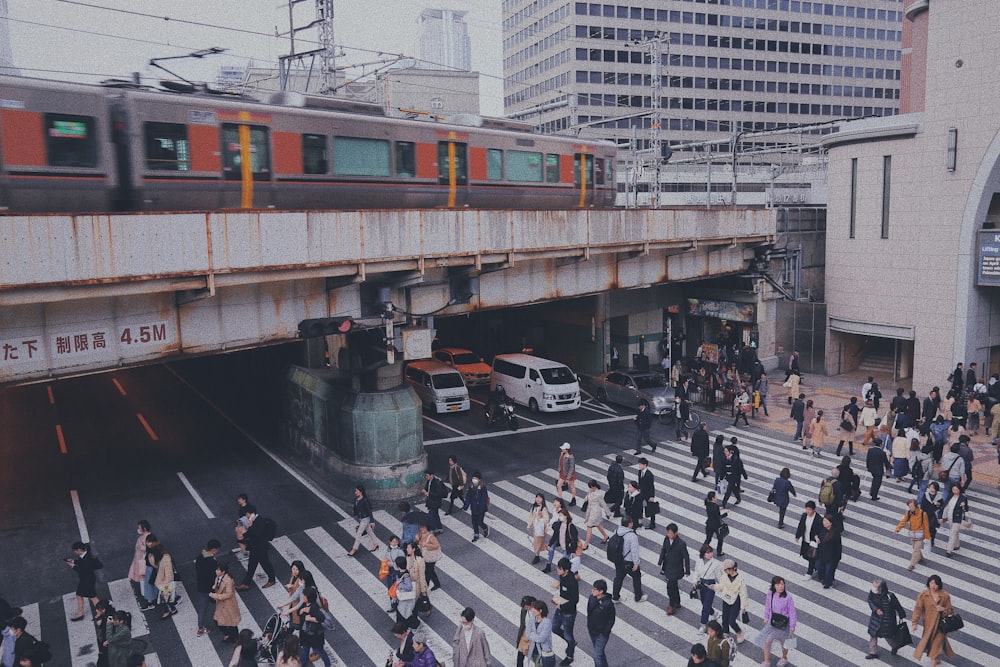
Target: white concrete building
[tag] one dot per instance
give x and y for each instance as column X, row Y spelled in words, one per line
column 444, row 39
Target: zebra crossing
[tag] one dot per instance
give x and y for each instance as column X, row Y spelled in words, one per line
column 493, row 574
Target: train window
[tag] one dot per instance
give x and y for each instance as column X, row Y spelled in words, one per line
column 260, row 158
column 354, row 156
column 494, row 164
column 588, row 169
column 551, row 168
column 167, row 147
column 524, row 166
column 314, row 151
column 70, row 140
column 598, row 171
column 406, row 159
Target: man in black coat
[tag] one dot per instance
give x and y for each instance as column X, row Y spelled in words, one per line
column 257, row 546
column 701, row 450
column 931, row 406
column 877, row 464
column 799, row 415
column 616, row 486
column 565, row 614
column 675, row 564
column 434, row 495
column 600, row 619
column 646, row 486
column 734, row 471
column 643, row 422
column 809, row 529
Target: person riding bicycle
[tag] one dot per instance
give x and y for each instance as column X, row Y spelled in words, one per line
column 498, row 397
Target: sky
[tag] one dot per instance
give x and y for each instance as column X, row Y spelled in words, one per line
column 87, row 40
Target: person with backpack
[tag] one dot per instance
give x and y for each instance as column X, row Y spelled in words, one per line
column 623, row 551
column 952, row 470
column 831, row 492
column 86, row 565
column 965, row 451
column 921, row 469
column 917, row 528
column 877, row 463
column 119, row 640
column 882, row 622
column 719, row 647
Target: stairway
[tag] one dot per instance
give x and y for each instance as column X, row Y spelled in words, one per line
column 881, row 364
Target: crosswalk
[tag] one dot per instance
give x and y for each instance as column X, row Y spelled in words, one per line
column 493, row 574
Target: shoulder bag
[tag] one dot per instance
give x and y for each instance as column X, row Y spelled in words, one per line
column 950, row 623
column 723, row 531
column 772, row 495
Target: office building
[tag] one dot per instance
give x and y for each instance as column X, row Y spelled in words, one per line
column 730, row 65
column 444, row 39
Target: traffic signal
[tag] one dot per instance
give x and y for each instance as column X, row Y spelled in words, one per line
column 325, row 326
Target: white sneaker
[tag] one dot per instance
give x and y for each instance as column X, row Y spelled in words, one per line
column 643, row 598
column 702, row 629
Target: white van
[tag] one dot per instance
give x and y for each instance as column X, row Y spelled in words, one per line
column 440, row 387
column 537, row 383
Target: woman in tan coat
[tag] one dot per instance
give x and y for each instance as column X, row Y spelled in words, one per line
column 931, row 603
column 227, row 609
column 137, row 571
column 817, row 434
column 430, row 548
column 417, row 567
column 159, row 559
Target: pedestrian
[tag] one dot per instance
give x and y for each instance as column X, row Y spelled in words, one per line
column 204, row 572
column 647, row 490
column 713, row 522
column 456, row 479
column 411, row 520
column 538, row 526
column 567, row 473
column 882, row 622
column 86, row 565
column 797, row 415
column 137, row 571
column 780, row 620
column 719, row 458
column 430, row 548
column 831, row 492
column 734, row 474
column 404, row 651
column 955, row 512
column 104, row 616
column 629, row 564
column 900, row 450
column 616, row 486
column 258, row 544
column 965, row 451
column 312, row 636
column 469, row 646
column 931, row 604
column 566, row 602
column 781, row 490
column 877, row 463
column 682, row 412
column 699, row 657
column 119, row 640
column 296, row 584
column 434, row 494
column 742, row 407
column 718, row 647
column 953, row 468
column 732, row 590
column 632, row 507
column 675, row 564
column 700, row 450
column 643, row 423
column 808, row 534
column 816, row 436
column 600, row 620
column 707, row 572
column 227, row 608
column 867, row 419
column 245, row 653
column 366, row 524
column 417, row 568
column 477, row 501
column 394, row 550
column 522, row 642
column 829, row 550
column 565, row 538
column 596, row 511
column 538, row 629
column 762, row 387
column 163, row 565
column 974, row 409
column 848, row 425
column 289, row 656
column 406, row 595
column 242, row 501
column 874, row 395
column 850, row 481
column 423, row 656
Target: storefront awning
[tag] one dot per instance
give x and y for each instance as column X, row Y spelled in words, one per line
column 872, row 329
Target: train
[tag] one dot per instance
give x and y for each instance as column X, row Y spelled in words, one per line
column 78, row 148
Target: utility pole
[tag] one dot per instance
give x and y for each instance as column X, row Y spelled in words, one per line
column 328, row 59
column 326, row 52
column 652, row 45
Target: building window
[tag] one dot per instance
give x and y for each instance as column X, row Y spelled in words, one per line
column 886, row 177
column 854, row 198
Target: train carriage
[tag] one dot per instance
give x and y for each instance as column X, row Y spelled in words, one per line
column 163, row 151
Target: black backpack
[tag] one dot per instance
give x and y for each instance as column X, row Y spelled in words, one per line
column 917, row 470
column 268, row 528
column 616, row 548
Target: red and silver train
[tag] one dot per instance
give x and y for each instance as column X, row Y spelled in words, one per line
column 68, row 147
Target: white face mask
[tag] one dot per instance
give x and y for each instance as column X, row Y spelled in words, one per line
column 475, row 480
column 874, row 589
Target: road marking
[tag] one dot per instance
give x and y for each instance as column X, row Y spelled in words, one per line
column 52, row 397
column 121, row 389
column 32, row 614
column 200, row 650
column 151, row 659
column 82, row 640
column 80, row 521
column 442, row 425
column 62, row 440
column 540, row 427
column 124, row 598
column 145, row 425
column 194, row 494
column 274, row 457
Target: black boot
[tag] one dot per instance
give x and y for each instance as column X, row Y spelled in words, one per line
column 547, row 568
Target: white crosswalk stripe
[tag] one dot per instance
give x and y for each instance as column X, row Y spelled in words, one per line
column 123, row 598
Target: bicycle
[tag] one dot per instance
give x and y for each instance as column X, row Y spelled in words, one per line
column 667, row 418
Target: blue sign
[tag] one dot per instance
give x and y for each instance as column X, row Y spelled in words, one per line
column 989, row 258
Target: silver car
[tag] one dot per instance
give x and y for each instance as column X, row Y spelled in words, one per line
column 630, row 388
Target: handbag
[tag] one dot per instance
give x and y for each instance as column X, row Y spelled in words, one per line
column 424, row 604
column 745, row 617
column 746, row 408
column 846, row 425
column 311, row 628
column 779, row 621
column 902, row 636
column 166, row 593
column 723, row 531
column 383, row 569
column 811, row 552
column 950, row 623
column 772, row 495
column 393, row 590
column 585, row 505
column 652, row 508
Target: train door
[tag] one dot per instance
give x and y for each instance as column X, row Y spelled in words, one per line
column 583, row 178
column 246, row 157
column 453, row 171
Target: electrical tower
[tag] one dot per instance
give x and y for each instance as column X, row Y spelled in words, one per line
column 653, row 52
column 326, row 52
column 328, row 58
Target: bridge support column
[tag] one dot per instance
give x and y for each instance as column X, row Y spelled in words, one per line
column 339, row 436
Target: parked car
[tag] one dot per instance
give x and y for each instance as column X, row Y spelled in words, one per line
column 632, row 387
column 440, row 387
column 474, row 370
